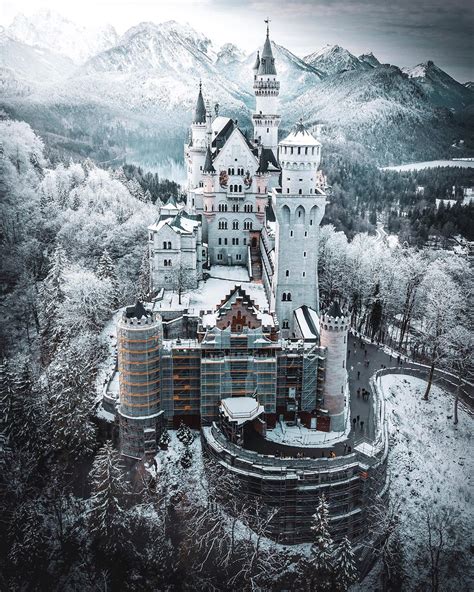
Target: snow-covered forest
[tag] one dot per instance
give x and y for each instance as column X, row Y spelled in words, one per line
column 75, row 518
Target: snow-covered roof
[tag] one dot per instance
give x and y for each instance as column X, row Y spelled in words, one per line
column 308, row 322
column 182, row 223
column 300, row 136
column 218, row 124
column 241, row 409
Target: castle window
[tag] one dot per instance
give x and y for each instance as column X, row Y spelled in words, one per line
column 245, row 240
column 151, row 236
column 291, row 233
column 306, row 233
column 219, row 256
column 220, row 241
column 288, row 297
column 165, row 263
column 235, row 208
column 312, row 151
column 304, row 253
column 306, row 150
column 287, row 273
column 310, row 222
column 169, row 262
column 235, row 225
column 164, row 245
column 225, row 241
column 291, row 150
column 299, row 150
column 285, row 325
column 238, row 257
column 268, row 130
column 304, row 273
column 300, row 191
column 283, row 297
column 288, row 190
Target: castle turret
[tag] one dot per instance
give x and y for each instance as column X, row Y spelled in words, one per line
column 195, row 151
column 299, row 207
column 267, row 88
column 139, row 337
column 334, row 324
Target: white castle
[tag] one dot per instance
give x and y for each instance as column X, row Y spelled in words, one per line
column 250, row 202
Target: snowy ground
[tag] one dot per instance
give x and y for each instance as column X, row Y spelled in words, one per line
column 431, row 465
column 417, row 166
column 209, row 294
column 299, row 435
column 230, row 272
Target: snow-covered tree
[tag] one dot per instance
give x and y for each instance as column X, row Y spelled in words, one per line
column 181, row 280
column 109, row 491
column 164, row 439
column 345, row 566
column 52, row 298
column 106, row 271
column 442, row 305
column 184, row 434
column 322, row 548
column 144, row 285
column 6, row 398
column 186, row 459
column 25, row 421
column 456, row 352
column 70, row 398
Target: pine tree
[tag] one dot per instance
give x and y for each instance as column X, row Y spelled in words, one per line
column 52, row 297
column 322, row 549
column 144, row 278
column 345, row 566
column 6, row 399
column 186, row 459
column 164, row 439
column 26, row 423
column 109, row 489
column 184, row 434
column 106, row 271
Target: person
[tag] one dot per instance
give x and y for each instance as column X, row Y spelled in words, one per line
column 354, row 421
column 361, row 426
column 358, row 374
column 365, row 353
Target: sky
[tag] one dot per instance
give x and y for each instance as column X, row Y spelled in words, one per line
column 401, row 32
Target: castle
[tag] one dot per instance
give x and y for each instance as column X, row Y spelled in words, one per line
column 256, row 356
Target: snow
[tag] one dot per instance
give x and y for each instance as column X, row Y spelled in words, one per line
column 303, row 325
column 228, row 272
column 301, row 436
column 241, row 409
column 431, row 465
column 208, row 295
column 418, row 166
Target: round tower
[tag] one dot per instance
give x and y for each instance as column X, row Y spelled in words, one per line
column 195, row 150
column 139, row 338
column 334, row 331
column 300, row 157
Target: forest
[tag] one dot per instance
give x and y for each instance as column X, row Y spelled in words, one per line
column 73, row 516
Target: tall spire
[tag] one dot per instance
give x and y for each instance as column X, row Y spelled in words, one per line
column 200, row 111
column 267, row 61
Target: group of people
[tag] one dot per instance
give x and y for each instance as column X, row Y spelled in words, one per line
column 364, row 393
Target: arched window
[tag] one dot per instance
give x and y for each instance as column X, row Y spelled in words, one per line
column 235, row 225
column 287, row 273
column 169, row 244
column 288, row 297
column 300, row 191
column 283, row 297
column 165, row 263
column 285, row 214
column 300, row 215
column 247, row 224
column 164, row 245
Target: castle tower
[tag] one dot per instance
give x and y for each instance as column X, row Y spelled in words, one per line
column 299, row 207
column 334, row 330
column 139, row 337
column 266, row 88
column 195, row 151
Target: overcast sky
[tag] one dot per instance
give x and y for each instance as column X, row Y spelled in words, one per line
column 402, row 32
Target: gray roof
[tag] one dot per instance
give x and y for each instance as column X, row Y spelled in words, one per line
column 257, row 61
column 267, row 61
column 335, row 310
column 200, row 111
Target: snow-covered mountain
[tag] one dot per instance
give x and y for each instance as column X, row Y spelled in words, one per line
column 229, row 54
column 370, row 59
column 49, row 30
column 332, row 59
column 440, row 87
column 32, row 66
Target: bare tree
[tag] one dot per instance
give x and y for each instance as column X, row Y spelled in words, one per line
column 181, row 280
column 457, row 354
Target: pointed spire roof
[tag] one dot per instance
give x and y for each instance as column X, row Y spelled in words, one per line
column 334, row 310
column 208, row 166
column 200, row 111
column 267, row 61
